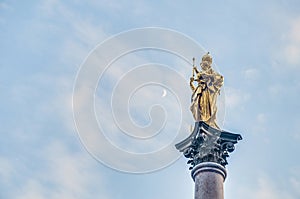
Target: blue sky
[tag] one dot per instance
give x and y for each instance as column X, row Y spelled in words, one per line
column 256, row 46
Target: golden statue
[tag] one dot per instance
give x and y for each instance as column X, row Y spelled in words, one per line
column 204, row 98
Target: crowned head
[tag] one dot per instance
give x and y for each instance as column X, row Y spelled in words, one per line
column 206, row 62
column 207, row 57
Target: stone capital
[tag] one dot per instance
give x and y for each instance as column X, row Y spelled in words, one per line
column 208, row 144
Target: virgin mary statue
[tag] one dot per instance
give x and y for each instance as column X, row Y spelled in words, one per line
column 204, row 97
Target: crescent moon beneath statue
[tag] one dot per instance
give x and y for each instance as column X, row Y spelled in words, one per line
column 164, row 93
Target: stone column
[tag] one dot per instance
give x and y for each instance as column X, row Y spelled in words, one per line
column 207, row 149
column 209, row 178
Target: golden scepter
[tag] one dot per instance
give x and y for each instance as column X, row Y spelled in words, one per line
column 192, row 78
column 194, row 67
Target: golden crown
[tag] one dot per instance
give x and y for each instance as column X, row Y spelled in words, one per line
column 207, row 57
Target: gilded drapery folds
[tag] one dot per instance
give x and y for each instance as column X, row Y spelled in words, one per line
column 204, row 97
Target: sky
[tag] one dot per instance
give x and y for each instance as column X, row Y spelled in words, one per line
column 62, row 61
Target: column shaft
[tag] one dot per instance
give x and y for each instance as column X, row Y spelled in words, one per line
column 209, row 178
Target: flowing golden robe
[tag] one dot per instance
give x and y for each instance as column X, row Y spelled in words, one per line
column 204, row 96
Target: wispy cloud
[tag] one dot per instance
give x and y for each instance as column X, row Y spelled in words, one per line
column 235, row 98
column 251, row 74
column 6, row 170
column 87, row 32
column 265, row 187
column 269, row 190
column 289, row 51
column 5, row 6
column 293, row 36
column 65, row 174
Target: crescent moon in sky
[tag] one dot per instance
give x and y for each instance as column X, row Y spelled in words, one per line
column 164, row 93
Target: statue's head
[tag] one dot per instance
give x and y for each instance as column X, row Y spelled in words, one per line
column 205, row 65
column 206, row 62
column 207, row 57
